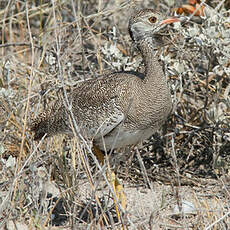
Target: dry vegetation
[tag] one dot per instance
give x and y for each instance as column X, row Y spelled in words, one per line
column 178, row 179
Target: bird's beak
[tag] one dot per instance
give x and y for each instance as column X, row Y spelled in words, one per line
column 174, row 19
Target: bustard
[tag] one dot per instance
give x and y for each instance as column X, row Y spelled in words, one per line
column 121, row 108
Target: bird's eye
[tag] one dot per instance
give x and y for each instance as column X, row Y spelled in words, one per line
column 153, row 19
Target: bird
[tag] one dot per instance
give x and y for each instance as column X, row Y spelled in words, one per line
column 122, row 108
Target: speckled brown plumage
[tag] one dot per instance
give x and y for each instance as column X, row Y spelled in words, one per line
column 121, row 108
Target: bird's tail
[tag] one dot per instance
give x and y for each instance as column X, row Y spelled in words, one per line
column 52, row 121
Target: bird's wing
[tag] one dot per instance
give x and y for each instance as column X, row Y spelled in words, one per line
column 97, row 107
column 110, row 122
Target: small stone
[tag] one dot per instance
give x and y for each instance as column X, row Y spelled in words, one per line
column 187, row 208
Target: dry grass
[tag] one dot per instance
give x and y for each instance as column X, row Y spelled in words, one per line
column 46, row 47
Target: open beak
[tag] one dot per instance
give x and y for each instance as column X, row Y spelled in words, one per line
column 174, row 19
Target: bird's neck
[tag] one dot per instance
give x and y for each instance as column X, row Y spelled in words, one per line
column 153, row 70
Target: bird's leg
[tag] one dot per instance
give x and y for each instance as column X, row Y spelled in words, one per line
column 119, row 190
column 98, row 153
column 117, row 186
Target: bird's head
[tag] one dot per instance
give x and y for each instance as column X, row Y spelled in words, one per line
column 150, row 23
